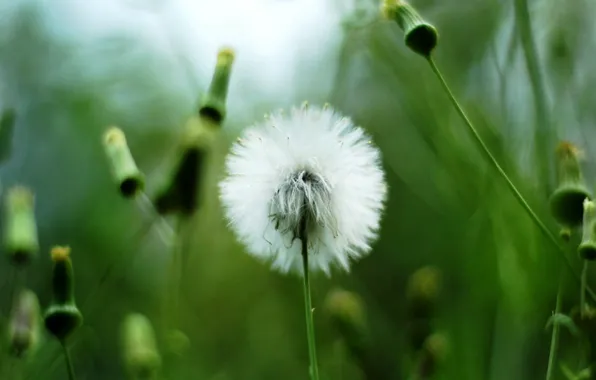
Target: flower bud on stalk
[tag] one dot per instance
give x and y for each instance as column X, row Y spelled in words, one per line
column 139, row 348
column 587, row 248
column 20, row 231
column 62, row 317
column 419, row 35
column 180, row 193
column 567, row 201
column 127, row 175
column 23, row 328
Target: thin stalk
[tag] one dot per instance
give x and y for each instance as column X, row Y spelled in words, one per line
column 554, row 340
column 69, row 367
column 582, row 290
column 310, row 326
column 491, row 158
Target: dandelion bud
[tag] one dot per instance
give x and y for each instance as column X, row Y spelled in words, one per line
column 139, row 348
column 7, row 122
column 20, row 234
column 566, row 202
column 213, row 104
column 347, row 312
column 180, row 192
column 422, row 294
column 23, row 328
column 127, row 175
column 587, row 248
column 420, row 36
column 62, row 316
column 433, row 353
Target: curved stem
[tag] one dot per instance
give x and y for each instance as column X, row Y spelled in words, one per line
column 486, row 151
column 554, row 340
column 310, row 326
column 69, row 367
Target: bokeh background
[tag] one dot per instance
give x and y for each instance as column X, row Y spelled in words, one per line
column 72, row 68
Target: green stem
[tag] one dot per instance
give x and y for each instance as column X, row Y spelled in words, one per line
column 520, row 198
column 582, row 291
column 310, row 326
column 554, row 340
column 175, row 274
column 69, row 367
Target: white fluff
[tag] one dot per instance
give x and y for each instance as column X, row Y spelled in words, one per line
column 312, row 163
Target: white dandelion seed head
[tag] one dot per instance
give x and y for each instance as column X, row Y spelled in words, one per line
column 311, row 165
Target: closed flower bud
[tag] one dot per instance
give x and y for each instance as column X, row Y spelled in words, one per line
column 422, row 294
column 181, row 190
column 566, row 203
column 433, row 352
column 127, row 175
column 23, row 328
column 139, row 347
column 587, row 248
column 213, row 104
column 346, row 310
column 62, row 316
column 419, row 35
column 20, row 231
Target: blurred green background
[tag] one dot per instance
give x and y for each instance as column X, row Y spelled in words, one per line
column 447, row 208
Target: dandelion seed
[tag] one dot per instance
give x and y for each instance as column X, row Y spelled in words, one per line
column 314, row 174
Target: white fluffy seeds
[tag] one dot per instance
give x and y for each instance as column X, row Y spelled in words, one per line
column 312, row 165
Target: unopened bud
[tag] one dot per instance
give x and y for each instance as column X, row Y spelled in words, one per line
column 423, row 291
column 419, row 35
column 139, row 347
column 62, row 317
column 587, row 248
column 213, row 104
column 127, row 175
column 566, row 203
column 20, row 234
column 23, row 328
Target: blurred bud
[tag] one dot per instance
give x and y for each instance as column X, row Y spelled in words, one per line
column 181, row 190
column 62, row 317
column 423, row 291
column 587, row 248
column 178, row 343
column 433, row 353
column 346, row 308
column 20, row 233
column 419, row 35
column 127, row 175
column 139, row 347
column 566, row 203
column 7, row 122
column 213, row 104
column 565, row 234
column 23, row 328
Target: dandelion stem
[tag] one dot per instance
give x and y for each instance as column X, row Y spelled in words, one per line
column 69, row 367
column 582, row 290
column 491, row 158
column 310, row 326
column 554, row 340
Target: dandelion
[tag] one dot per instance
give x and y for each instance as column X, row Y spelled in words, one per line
column 313, row 173
column 311, row 176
